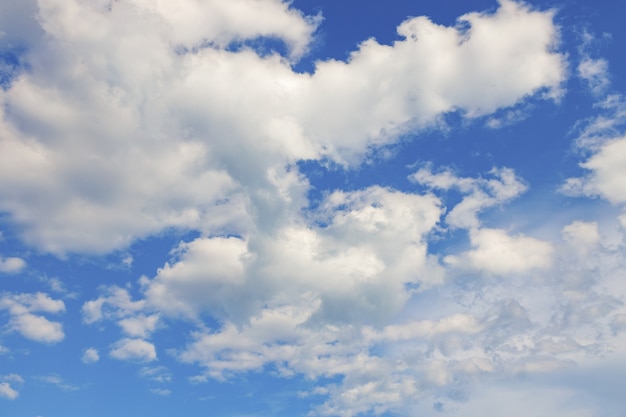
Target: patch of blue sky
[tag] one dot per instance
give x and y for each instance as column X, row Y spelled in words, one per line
column 11, row 65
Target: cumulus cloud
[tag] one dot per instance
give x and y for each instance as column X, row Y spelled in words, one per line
column 582, row 235
column 90, row 355
column 497, row 252
column 479, row 193
column 133, row 350
column 11, row 265
column 607, row 173
column 34, row 326
column 117, row 304
column 372, row 244
column 6, row 390
column 186, row 125
column 191, row 24
column 602, row 136
column 140, row 325
column 126, row 139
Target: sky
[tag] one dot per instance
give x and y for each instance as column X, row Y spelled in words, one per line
column 255, row 208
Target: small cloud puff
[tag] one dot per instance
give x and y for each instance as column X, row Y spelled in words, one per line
column 12, row 265
column 33, row 326
column 90, row 355
column 58, row 382
column 161, row 391
column 498, row 253
column 6, row 390
column 581, row 235
column 133, row 350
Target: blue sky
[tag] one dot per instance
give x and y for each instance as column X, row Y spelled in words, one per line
column 312, row 208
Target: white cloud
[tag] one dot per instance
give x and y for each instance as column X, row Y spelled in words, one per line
column 11, row 265
column 582, row 235
column 58, row 382
column 480, row 193
column 90, row 355
column 161, row 391
column 607, row 177
column 7, row 392
column 111, row 141
column 497, row 252
column 371, row 246
column 133, row 350
column 156, row 373
column 140, row 325
column 595, row 73
column 37, row 328
column 602, row 136
column 117, row 140
column 210, row 271
column 117, row 304
column 33, row 326
column 192, row 24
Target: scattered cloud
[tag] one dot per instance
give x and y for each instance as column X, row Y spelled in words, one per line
column 156, row 373
column 33, row 326
column 12, row 265
column 497, row 252
column 58, row 382
column 161, row 391
column 6, row 390
column 90, row 355
column 479, row 193
column 176, row 172
column 139, row 117
column 138, row 350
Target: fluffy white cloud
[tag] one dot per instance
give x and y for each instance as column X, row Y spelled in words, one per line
column 117, row 304
column 90, row 355
column 372, row 244
column 192, row 24
column 108, row 141
column 34, row 326
column 602, row 136
column 480, row 193
column 37, row 328
column 497, row 252
column 140, row 325
column 133, row 350
column 11, row 265
column 6, row 390
column 607, row 177
column 582, row 235
column 209, row 273
column 138, row 116
column 595, row 72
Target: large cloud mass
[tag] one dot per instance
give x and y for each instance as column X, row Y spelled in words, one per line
column 131, row 117
column 126, row 119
